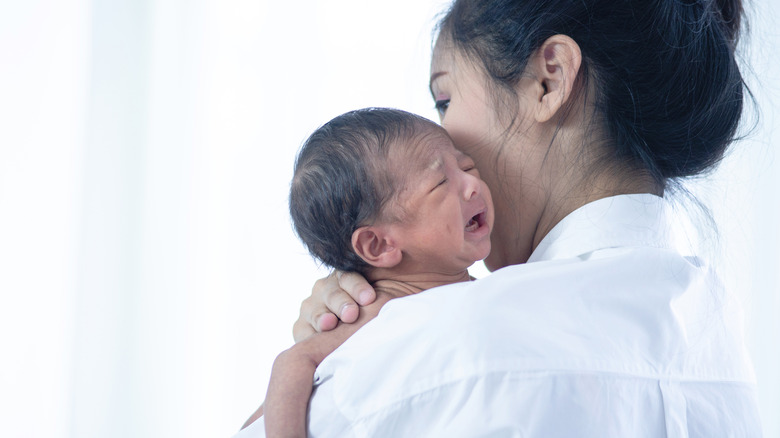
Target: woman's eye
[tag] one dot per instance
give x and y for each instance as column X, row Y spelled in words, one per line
column 442, row 105
column 441, row 183
column 470, row 167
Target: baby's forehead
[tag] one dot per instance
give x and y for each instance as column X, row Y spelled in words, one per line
column 422, row 152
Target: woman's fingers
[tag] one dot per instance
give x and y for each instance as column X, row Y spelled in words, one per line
column 357, row 287
column 314, row 317
column 315, row 312
column 333, row 298
column 337, row 300
column 302, row 329
column 328, row 296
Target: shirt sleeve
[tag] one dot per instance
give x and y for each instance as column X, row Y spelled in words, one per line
column 325, row 419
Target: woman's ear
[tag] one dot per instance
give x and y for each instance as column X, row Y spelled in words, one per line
column 376, row 247
column 554, row 66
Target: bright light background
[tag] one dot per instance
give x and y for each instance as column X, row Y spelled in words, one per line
column 148, row 271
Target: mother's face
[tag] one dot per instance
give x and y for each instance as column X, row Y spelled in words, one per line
column 511, row 160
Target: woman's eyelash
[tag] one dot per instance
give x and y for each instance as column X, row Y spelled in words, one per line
column 442, row 105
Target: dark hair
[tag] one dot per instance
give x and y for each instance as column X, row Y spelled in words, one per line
column 668, row 90
column 340, row 182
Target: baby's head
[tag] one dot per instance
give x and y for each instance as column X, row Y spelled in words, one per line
column 383, row 188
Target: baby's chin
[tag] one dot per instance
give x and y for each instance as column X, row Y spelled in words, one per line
column 479, row 257
column 485, row 253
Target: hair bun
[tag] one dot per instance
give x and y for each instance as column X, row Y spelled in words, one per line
column 730, row 12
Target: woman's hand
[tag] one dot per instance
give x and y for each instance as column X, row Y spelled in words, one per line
column 333, row 298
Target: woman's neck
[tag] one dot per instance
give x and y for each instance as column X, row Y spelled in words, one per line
column 594, row 189
column 515, row 241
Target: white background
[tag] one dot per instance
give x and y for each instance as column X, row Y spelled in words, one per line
column 148, row 271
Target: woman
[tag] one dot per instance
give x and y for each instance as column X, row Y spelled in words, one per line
column 580, row 115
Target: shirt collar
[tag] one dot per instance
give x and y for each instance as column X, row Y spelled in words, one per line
column 616, row 221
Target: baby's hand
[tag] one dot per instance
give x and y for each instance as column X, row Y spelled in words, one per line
column 334, row 298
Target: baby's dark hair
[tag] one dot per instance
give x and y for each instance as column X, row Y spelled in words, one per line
column 341, row 183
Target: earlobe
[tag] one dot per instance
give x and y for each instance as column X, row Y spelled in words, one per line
column 555, row 66
column 376, row 247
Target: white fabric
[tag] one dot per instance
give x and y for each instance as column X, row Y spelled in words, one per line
column 606, row 332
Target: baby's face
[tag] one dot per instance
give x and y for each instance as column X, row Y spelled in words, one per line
column 445, row 210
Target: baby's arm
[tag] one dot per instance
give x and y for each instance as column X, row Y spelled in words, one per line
column 290, row 387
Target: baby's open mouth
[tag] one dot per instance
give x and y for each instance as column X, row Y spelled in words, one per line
column 476, row 221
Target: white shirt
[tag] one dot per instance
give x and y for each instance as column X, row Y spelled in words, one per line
column 607, row 331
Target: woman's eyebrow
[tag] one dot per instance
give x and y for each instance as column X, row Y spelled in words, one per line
column 462, row 156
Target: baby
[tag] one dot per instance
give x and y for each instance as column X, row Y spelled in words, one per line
column 384, row 193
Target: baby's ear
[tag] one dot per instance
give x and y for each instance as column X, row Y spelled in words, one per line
column 376, row 247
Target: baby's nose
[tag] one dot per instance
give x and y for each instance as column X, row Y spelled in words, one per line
column 471, row 187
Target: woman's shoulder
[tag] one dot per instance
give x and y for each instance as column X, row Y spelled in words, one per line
column 645, row 313
column 627, row 310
